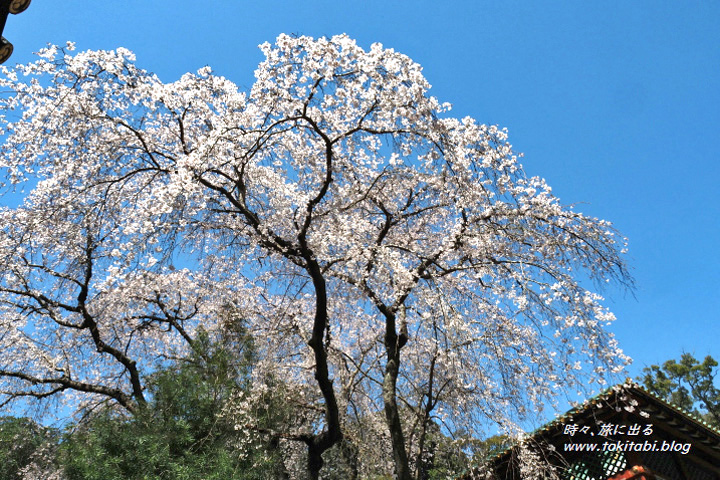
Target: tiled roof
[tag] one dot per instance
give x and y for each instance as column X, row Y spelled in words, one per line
column 612, row 402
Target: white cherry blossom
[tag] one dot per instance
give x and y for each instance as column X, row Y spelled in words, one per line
column 393, row 263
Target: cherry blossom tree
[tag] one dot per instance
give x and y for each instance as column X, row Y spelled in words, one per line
column 387, row 257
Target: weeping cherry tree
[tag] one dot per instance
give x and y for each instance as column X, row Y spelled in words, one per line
column 398, row 271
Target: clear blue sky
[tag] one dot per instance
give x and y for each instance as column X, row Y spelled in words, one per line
column 616, row 104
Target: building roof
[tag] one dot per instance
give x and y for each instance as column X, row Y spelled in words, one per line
column 621, row 422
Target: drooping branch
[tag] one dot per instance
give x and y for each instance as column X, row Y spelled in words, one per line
column 59, row 384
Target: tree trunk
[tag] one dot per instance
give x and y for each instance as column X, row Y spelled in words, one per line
column 318, row 444
column 422, row 465
column 392, row 413
column 314, row 463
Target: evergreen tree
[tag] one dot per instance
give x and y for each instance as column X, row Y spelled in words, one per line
column 688, row 384
column 178, row 435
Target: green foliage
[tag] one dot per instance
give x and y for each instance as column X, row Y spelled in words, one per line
column 450, row 458
column 178, row 435
column 114, row 448
column 688, row 384
column 22, row 442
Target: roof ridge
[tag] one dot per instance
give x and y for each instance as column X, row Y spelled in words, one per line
column 628, row 385
column 680, row 410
